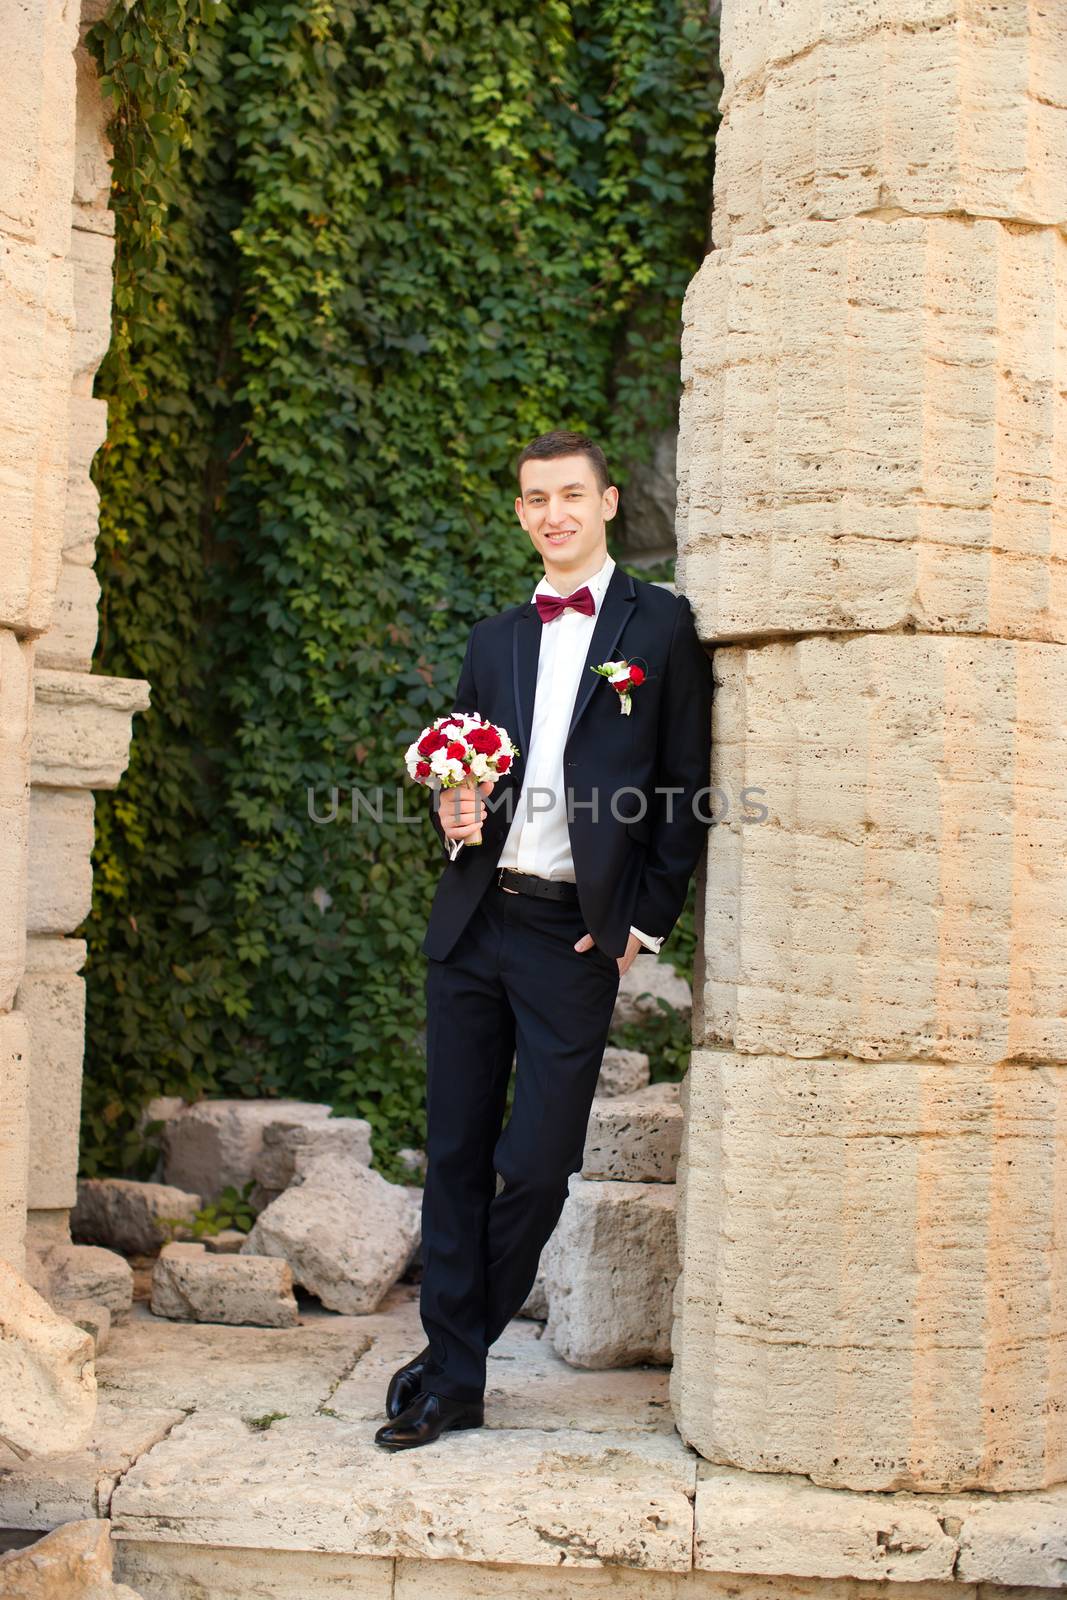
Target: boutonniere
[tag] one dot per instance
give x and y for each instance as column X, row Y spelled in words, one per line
column 623, row 676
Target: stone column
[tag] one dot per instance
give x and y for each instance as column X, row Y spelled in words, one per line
column 872, row 531
column 61, row 727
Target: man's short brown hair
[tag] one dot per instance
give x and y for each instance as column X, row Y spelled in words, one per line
column 547, row 446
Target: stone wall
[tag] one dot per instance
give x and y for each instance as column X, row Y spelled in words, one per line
column 871, row 528
column 63, row 731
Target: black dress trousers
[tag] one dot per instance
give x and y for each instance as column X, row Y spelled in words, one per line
column 512, row 986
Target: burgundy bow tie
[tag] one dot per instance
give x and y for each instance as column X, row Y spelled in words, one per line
column 549, row 606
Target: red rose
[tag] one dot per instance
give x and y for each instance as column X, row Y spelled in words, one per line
column 433, row 741
column 423, row 769
column 621, row 684
column 485, row 740
column 457, row 751
column 503, row 764
column 637, row 675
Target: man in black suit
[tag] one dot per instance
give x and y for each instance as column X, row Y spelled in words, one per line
column 588, row 845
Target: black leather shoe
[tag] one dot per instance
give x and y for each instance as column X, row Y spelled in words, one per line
column 405, row 1383
column 426, row 1417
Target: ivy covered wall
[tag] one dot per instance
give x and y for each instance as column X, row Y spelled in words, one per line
column 364, row 253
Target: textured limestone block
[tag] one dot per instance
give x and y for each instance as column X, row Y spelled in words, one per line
column 927, row 106
column 92, row 257
column 41, row 1492
column 71, row 640
column 61, row 834
column 572, row 1499
column 635, row 1138
column 151, row 1362
column 36, row 330
column 81, row 728
column 227, row 1242
column 122, row 1214
column 73, row 1562
column 90, row 1315
column 191, row 1284
column 51, row 997
column 16, row 668
column 622, row 1072
column 643, row 984
column 47, row 1385
column 905, row 896
column 37, row 124
column 288, row 1147
column 345, row 1231
column 216, row 1143
column 610, row 1269
column 766, row 1524
column 14, row 1139
column 87, row 1272
column 772, row 1523
column 874, row 431
column 875, row 1289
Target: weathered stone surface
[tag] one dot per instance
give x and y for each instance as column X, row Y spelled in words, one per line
column 610, row 1269
column 43, row 1491
column 87, row 1272
column 60, row 873
column 227, row 1242
column 124, row 1215
column 872, row 432
column 622, row 1072
column 898, row 901
column 914, row 105
column 345, row 1231
column 90, row 1315
column 72, row 1563
column 573, row 1499
column 769, row 1523
column 206, row 1572
column 47, row 1387
column 643, row 984
column 192, row 1284
column 215, row 1143
column 37, row 317
column 81, row 728
column 14, row 1139
column 16, row 665
column 838, row 1219
column 51, row 997
column 635, row 1138
column 288, row 1147
column 70, row 641
column 219, row 1367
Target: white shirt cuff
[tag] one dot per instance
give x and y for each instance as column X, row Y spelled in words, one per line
column 652, row 940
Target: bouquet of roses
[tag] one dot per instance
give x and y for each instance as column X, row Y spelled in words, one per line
column 459, row 750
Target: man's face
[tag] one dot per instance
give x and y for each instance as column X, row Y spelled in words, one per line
column 565, row 512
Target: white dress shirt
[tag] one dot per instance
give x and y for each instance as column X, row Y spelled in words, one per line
column 537, row 840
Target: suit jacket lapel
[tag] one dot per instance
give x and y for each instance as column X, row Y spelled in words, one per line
column 615, row 610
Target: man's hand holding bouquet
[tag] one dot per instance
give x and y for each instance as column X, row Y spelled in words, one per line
column 466, row 754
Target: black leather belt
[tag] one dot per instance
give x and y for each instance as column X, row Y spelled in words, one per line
column 543, row 888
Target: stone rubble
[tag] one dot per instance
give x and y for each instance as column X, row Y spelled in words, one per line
column 124, row 1215
column 346, row 1233
column 192, row 1284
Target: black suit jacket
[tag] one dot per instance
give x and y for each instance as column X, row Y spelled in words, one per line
column 630, row 868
